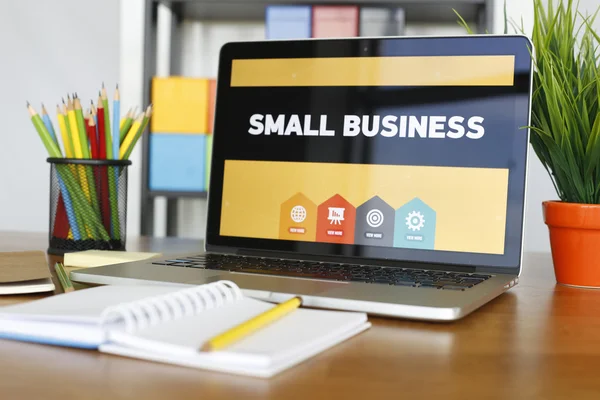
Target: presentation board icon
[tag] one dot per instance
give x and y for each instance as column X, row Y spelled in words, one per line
column 415, row 225
column 298, row 219
column 374, row 223
column 335, row 221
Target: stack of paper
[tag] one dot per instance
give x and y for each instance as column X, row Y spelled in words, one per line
column 24, row 272
column 97, row 258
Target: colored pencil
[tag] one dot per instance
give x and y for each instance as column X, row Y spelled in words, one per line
column 101, row 130
column 85, row 150
column 107, row 131
column 95, row 116
column 104, row 198
column 64, row 208
column 77, row 146
column 111, row 177
column 48, row 123
column 91, row 131
column 68, row 127
column 126, row 124
column 127, row 150
column 124, row 119
column 75, row 138
column 71, row 146
column 63, row 278
column 116, row 140
column 42, row 131
column 246, row 328
column 131, row 136
column 64, row 133
column 51, row 148
column 87, row 202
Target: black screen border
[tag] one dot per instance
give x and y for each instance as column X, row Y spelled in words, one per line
column 510, row 262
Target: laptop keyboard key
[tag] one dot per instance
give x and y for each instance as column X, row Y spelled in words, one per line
column 453, row 287
column 402, row 283
column 331, row 271
column 429, row 285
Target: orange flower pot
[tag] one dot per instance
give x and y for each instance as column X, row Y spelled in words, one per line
column 575, row 242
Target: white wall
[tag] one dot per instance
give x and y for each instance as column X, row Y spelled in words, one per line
column 110, row 50
column 49, row 49
column 131, row 67
column 539, row 185
column 201, row 43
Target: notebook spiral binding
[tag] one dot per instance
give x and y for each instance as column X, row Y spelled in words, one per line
column 139, row 314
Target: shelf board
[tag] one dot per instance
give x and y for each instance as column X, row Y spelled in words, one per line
column 254, row 10
column 176, row 195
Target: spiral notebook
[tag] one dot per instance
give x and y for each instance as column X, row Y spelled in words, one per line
column 169, row 324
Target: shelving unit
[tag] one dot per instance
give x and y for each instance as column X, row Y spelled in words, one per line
column 478, row 12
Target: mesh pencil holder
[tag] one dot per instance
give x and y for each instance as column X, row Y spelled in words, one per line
column 88, row 204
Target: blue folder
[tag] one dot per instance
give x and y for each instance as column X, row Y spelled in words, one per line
column 177, row 162
column 288, row 22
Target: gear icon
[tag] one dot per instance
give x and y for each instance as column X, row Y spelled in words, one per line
column 415, row 221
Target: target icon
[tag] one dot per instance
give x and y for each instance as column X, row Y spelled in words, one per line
column 375, row 218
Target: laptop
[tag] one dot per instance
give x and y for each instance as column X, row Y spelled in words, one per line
column 382, row 175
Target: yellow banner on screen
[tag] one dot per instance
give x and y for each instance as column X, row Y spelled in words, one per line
column 375, row 71
column 470, row 203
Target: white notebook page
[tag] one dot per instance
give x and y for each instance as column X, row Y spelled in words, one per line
column 294, row 331
column 81, row 306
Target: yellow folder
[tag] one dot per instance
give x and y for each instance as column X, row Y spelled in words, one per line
column 180, row 105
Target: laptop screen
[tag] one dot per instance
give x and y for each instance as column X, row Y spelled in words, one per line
column 408, row 149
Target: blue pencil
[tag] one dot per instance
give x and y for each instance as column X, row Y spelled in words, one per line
column 48, row 123
column 116, row 129
column 69, row 207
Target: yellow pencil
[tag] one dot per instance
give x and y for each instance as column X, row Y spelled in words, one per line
column 252, row 325
column 130, row 135
column 74, row 130
column 64, row 133
column 77, row 149
column 124, row 119
column 145, row 119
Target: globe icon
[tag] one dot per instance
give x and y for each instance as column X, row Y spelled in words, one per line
column 298, row 214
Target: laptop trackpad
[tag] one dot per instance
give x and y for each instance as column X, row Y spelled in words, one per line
column 275, row 284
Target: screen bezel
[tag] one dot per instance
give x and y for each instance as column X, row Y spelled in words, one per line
column 346, row 253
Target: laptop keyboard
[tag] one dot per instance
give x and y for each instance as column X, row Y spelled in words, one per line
column 333, row 271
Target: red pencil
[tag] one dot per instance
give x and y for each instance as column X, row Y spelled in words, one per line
column 101, row 131
column 101, row 146
column 91, row 131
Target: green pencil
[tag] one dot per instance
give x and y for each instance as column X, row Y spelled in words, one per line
column 107, row 125
column 138, row 134
column 85, row 148
column 127, row 122
column 63, row 278
column 50, row 144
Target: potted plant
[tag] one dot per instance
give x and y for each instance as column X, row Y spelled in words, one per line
column 565, row 135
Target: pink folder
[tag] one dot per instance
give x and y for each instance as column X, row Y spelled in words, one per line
column 335, row 21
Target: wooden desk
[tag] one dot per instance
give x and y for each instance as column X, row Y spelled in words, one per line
column 538, row 340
